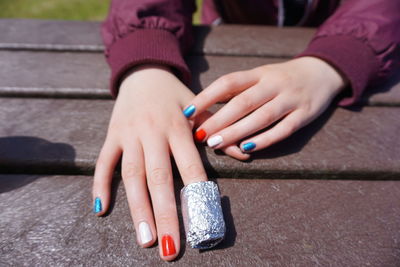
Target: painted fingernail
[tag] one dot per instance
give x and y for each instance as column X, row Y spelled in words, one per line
column 145, row 233
column 189, row 111
column 97, row 205
column 214, row 141
column 168, row 246
column 200, row 135
column 249, row 146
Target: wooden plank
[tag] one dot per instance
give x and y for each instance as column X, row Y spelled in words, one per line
column 246, row 40
column 85, row 75
column 209, row 68
column 24, row 34
column 28, row 34
column 65, row 136
column 48, row 221
column 51, row 74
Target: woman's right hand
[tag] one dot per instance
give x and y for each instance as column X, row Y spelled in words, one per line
column 147, row 125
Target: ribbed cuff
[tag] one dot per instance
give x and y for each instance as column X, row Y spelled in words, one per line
column 144, row 46
column 352, row 57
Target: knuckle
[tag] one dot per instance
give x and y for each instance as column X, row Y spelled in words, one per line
column 295, row 125
column 160, row 176
column 267, row 115
column 284, row 79
column 138, row 210
column 149, row 122
column 164, row 220
column 193, row 171
column 114, row 127
column 307, row 107
column 230, row 135
column 227, row 80
column 101, row 161
column 245, row 102
column 289, row 129
column 261, row 70
column 131, row 170
column 178, row 125
column 266, row 142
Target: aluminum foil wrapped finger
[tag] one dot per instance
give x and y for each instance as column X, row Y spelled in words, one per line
column 202, row 214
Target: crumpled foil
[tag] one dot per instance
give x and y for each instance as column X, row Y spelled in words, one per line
column 202, row 214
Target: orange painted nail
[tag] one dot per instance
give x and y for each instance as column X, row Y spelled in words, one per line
column 168, row 246
column 200, row 135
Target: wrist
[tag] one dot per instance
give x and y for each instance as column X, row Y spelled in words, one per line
column 155, row 80
column 142, row 74
column 331, row 76
column 142, row 67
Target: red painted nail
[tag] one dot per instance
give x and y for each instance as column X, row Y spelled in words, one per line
column 168, row 246
column 200, row 135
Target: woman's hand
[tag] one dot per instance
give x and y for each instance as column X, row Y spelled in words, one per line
column 292, row 93
column 147, row 125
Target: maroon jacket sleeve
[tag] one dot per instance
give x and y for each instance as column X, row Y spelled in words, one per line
column 147, row 31
column 362, row 40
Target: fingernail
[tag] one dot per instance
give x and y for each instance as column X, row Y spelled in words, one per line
column 189, row 111
column 214, row 141
column 145, row 233
column 97, row 205
column 249, row 146
column 168, row 245
column 200, row 135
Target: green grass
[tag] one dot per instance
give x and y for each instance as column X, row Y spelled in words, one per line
column 63, row 9
column 197, row 14
column 54, row 9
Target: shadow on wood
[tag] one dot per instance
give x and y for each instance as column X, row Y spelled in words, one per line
column 28, row 154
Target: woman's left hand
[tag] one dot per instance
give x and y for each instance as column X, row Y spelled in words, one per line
column 293, row 93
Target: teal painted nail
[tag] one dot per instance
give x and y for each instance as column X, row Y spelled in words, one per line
column 97, row 205
column 189, row 111
column 249, row 146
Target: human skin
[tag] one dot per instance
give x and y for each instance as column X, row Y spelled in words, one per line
column 293, row 93
column 146, row 127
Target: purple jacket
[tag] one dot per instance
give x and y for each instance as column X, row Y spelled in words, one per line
column 361, row 38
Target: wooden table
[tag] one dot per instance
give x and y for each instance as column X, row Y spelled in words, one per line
column 309, row 200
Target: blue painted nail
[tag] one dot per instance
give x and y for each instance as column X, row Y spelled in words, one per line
column 189, row 111
column 97, row 205
column 249, row 146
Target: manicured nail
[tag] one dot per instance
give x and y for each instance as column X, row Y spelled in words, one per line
column 249, row 146
column 97, row 205
column 168, row 246
column 200, row 135
column 214, row 141
column 145, row 233
column 189, row 111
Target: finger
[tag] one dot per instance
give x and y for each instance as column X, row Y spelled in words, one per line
column 134, row 177
column 108, row 158
column 235, row 152
column 200, row 135
column 160, row 184
column 259, row 119
column 290, row 124
column 237, row 108
column 186, row 155
column 228, row 85
column 201, row 118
